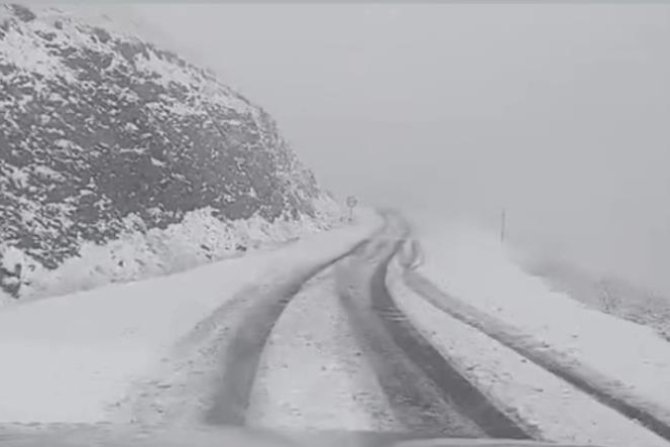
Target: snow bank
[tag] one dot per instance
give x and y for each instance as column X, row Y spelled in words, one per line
column 474, row 267
column 547, row 406
column 604, row 292
column 68, row 358
column 140, row 254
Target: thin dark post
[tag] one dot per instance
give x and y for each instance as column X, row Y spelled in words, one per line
column 351, row 203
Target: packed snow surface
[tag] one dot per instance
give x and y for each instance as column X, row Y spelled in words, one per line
column 549, row 408
column 473, row 266
column 68, row 358
column 313, row 374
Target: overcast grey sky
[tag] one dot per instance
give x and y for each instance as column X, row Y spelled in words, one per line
column 560, row 113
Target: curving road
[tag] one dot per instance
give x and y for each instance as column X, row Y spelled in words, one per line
column 330, row 350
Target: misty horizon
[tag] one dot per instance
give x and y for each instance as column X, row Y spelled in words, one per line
column 556, row 113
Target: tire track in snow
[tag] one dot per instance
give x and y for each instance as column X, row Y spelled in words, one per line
column 312, row 374
column 550, row 408
column 426, row 393
column 241, row 353
column 604, row 389
column 205, row 377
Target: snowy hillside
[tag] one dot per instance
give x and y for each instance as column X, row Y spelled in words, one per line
column 103, row 135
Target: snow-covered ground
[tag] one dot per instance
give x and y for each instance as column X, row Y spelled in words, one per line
column 313, row 374
column 603, row 291
column 68, row 358
column 547, row 406
column 140, row 253
column 473, row 266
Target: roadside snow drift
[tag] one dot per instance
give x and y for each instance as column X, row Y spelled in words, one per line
column 66, row 359
column 474, row 267
column 141, row 253
column 549, row 408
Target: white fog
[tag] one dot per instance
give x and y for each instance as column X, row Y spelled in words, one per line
column 556, row 112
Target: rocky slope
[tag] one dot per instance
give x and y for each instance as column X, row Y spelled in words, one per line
column 98, row 125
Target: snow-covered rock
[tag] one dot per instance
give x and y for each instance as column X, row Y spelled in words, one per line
column 98, row 125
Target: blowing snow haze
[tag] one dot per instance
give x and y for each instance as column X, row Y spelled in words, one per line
column 172, row 272
column 558, row 113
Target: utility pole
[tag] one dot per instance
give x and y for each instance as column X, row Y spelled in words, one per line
column 503, row 224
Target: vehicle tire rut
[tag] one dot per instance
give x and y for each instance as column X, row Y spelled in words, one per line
column 427, row 394
column 241, row 354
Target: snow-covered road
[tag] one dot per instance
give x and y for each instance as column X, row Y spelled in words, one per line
column 337, row 355
column 425, row 392
column 313, row 374
column 322, row 350
column 415, row 366
column 323, row 337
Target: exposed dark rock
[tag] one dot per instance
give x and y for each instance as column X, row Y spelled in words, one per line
column 97, row 125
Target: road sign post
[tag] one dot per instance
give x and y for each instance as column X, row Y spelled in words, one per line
column 351, row 203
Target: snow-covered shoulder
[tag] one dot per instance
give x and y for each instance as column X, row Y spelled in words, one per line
column 475, row 267
column 140, row 253
column 546, row 406
column 66, row 358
